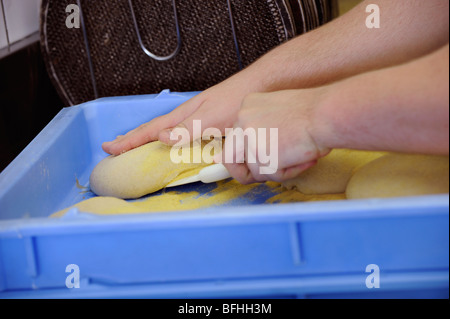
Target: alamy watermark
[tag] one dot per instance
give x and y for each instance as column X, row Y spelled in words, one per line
column 373, row 280
column 73, row 279
column 373, row 20
column 73, row 19
column 252, row 146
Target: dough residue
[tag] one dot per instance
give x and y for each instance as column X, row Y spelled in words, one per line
column 145, row 170
column 226, row 193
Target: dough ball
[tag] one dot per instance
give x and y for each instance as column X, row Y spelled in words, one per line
column 146, row 169
column 397, row 175
column 332, row 172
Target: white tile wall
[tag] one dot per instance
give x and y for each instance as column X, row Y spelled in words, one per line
column 22, row 18
column 3, row 41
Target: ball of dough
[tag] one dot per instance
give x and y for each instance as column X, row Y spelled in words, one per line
column 398, row 175
column 145, row 170
column 332, row 172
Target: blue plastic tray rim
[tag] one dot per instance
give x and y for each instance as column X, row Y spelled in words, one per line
column 263, row 213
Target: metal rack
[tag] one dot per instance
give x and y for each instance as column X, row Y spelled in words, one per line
column 142, row 45
column 168, row 50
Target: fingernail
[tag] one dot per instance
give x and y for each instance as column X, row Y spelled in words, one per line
column 114, row 141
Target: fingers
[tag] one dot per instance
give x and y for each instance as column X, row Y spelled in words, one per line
column 291, row 172
column 150, row 131
column 233, row 158
column 243, row 174
column 141, row 135
column 205, row 107
column 172, row 135
column 195, row 124
column 240, row 158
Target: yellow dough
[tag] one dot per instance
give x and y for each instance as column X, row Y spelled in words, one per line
column 332, row 172
column 102, row 206
column 167, row 201
column 223, row 194
column 144, row 170
column 397, row 175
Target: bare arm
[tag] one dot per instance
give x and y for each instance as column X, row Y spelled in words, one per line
column 345, row 47
column 403, row 108
column 342, row 48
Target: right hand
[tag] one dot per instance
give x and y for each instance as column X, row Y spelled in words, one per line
column 216, row 107
column 297, row 145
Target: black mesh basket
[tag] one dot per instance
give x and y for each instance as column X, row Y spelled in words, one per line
column 128, row 47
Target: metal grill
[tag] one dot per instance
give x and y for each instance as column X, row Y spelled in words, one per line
column 130, row 47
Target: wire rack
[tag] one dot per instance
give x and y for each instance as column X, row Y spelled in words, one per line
column 132, row 47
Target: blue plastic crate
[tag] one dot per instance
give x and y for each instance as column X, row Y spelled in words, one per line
column 251, row 250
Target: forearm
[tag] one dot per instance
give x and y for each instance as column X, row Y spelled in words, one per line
column 345, row 46
column 403, row 108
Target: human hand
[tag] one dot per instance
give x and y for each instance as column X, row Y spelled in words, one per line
column 293, row 112
column 216, row 107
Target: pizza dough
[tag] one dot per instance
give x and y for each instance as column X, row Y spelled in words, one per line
column 397, row 175
column 146, row 169
column 332, row 172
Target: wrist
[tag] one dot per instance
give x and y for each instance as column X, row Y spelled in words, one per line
column 324, row 115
